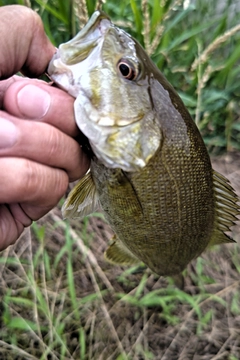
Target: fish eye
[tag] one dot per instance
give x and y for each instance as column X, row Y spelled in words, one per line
column 127, row 69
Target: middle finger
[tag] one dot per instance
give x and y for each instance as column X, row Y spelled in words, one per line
column 42, row 143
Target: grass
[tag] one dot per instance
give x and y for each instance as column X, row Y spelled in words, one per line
column 60, row 299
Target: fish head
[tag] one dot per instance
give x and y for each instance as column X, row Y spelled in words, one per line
column 103, row 68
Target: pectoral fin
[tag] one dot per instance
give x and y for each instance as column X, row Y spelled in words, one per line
column 226, row 208
column 117, row 253
column 82, row 200
column 123, row 198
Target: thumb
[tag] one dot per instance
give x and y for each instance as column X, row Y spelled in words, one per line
column 36, row 100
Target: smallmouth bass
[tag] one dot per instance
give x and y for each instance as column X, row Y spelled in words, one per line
column 150, row 171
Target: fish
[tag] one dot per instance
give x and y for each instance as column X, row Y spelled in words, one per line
column 150, row 171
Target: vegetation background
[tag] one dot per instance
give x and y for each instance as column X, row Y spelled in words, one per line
column 60, row 299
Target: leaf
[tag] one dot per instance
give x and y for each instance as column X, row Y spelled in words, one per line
column 137, row 16
column 57, row 14
column 22, row 324
column 188, row 34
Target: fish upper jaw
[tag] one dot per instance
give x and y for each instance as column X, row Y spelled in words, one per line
column 78, row 49
column 77, row 56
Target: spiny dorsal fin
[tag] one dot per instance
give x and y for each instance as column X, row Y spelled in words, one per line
column 82, row 200
column 226, row 207
column 117, row 253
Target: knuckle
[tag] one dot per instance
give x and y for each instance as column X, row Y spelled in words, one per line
column 54, row 142
column 45, row 185
column 27, row 180
column 30, row 182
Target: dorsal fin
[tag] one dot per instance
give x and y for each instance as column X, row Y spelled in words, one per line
column 226, row 207
column 82, row 199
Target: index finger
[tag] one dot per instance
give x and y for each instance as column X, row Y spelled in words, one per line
column 26, row 47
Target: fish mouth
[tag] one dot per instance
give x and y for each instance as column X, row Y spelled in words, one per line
column 78, row 49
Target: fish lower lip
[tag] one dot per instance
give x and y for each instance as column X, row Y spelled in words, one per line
column 108, row 122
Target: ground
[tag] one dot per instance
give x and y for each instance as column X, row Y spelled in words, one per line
column 60, row 278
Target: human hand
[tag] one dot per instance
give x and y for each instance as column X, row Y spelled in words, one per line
column 38, row 154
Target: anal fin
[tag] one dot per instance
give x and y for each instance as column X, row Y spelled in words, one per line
column 178, row 280
column 117, row 253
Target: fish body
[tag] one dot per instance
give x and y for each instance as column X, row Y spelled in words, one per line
column 150, row 170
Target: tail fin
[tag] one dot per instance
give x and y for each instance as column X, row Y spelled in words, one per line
column 226, row 207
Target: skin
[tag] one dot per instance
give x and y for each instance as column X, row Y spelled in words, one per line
column 38, row 151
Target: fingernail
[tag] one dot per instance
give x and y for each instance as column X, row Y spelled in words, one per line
column 8, row 134
column 33, row 102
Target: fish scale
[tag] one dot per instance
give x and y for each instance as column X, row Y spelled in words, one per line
column 150, row 171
